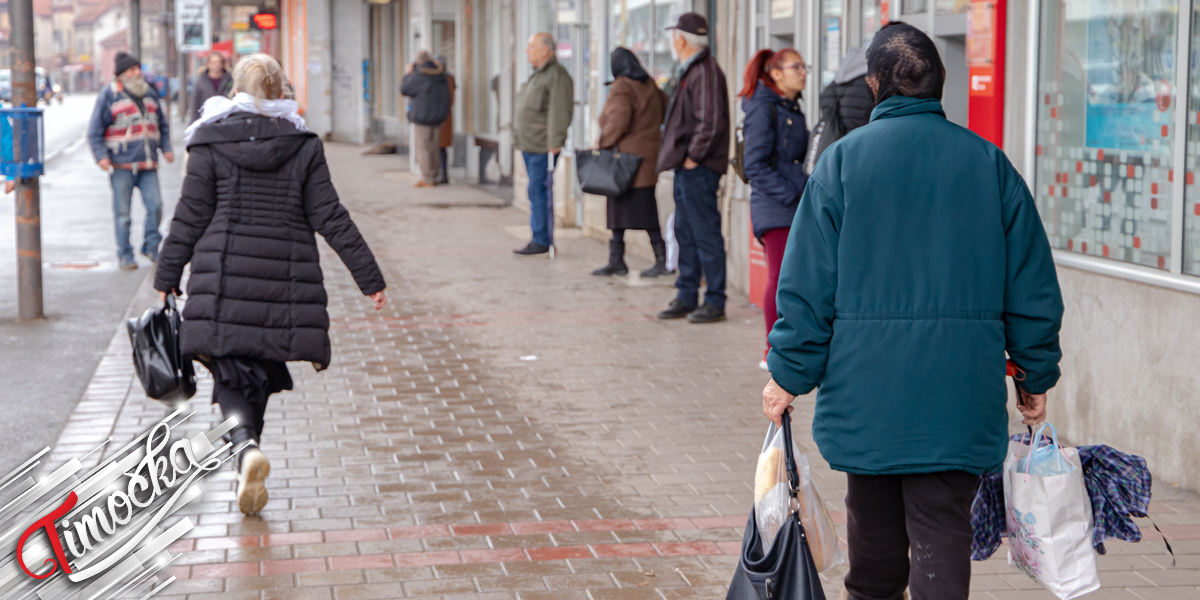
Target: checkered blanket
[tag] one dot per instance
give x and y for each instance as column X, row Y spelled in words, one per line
column 1117, row 483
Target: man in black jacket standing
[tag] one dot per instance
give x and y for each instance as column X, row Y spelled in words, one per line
column 425, row 82
column 695, row 145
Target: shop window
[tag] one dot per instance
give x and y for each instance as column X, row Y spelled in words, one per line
column 912, row 7
column 641, row 26
column 1105, row 126
column 832, row 30
column 952, row 7
column 1191, row 206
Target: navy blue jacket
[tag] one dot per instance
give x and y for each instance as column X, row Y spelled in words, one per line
column 917, row 260
column 774, row 158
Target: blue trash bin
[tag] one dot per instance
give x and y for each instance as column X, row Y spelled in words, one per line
column 22, row 142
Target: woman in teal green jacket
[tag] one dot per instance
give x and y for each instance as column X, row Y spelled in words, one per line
column 916, row 260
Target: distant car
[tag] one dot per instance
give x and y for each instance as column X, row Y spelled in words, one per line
column 46, row 91
column 6, row 85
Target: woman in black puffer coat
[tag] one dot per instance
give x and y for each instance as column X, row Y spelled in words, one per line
column 257, row 190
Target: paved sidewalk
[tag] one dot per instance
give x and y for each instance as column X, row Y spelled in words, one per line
column 514, row 428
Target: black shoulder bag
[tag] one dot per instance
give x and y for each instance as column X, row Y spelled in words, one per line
column 787, row 572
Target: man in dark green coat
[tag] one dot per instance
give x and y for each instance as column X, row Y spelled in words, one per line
column 916, row 260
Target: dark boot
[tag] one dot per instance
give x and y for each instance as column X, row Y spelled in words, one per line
column 660, row 261
column 616, row 260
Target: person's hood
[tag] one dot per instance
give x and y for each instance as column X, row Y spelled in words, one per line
column 254, row 141
column 854, row 65
column 430, row 68
column 625, row 64
column 764, row 93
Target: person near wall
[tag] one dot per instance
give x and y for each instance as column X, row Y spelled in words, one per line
column 630, row 123
column 426, row 84
column 213, row 80
column 846, row 105
column 776, row 143
column 545, row 106
column 126, row 133
column 257, row 189
column 916, row 260
column 446, row 133
column 695, row 146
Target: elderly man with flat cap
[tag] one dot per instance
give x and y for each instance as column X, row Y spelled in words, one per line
column 126, row 134
column 695, row 146
column 916, row 262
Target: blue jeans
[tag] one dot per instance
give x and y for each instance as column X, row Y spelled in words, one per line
column 541, row 196
column 698, row 231
column 123, row 182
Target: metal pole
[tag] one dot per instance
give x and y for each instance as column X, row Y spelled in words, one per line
column 29, row 224
column 135, row 28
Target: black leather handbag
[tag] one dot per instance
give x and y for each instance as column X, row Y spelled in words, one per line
column 160, row 365
column 787, row 571
column 606, row 172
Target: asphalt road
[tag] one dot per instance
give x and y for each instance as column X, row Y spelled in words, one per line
column 45, row 365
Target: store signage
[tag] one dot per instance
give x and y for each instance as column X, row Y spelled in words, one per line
column 985, row 69
column 193, row 24
column 264, row 21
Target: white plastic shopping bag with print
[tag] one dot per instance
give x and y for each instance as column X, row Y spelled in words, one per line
column 1049, row 516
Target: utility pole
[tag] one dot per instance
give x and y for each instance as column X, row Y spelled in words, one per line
column 28, row 199
column 135, row 28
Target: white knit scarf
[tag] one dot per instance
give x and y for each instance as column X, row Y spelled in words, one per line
column 218, row 107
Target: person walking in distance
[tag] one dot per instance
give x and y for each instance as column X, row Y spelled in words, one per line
column 126, row 133
column 630, row 123
column 776, row 137
column 695, row 146
column 917, row 259
column 257, row 189
column 213, row 80
column 545, row 106
column 425, row 83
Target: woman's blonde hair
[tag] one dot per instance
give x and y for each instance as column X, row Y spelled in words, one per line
column 260, row 76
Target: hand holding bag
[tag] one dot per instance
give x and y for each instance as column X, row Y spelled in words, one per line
column 606, row 172
column 1049, row 516
column 785, row 571
column 161, row 367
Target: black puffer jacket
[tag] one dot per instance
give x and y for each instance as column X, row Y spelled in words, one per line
column 430, row 93
column 257, row 189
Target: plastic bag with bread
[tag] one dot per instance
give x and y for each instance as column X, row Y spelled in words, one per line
column 772, row 502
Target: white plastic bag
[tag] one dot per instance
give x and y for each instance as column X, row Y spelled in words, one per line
column 772, row 502
column 1049, row 517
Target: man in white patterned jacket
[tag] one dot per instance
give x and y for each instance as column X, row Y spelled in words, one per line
column 127, row 131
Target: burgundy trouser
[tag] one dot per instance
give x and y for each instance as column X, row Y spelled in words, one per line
column 774, row 242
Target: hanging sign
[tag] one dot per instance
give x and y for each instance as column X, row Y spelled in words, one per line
column 193, row 24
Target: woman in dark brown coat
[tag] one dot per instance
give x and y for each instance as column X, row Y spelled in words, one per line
column 630, row 123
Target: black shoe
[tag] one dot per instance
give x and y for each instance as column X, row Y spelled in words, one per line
column 532, row 248
column 707, row 314
column 677, row 310
column 616, row 260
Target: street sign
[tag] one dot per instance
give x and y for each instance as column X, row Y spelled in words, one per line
column 193, row 24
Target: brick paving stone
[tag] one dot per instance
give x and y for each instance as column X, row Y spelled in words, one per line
column 514, row 428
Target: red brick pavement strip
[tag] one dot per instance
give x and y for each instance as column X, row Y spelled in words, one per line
column 473, row 556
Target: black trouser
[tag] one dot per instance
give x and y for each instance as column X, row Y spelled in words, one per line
column 618, row 235
column 927, row 517
column 250, row 405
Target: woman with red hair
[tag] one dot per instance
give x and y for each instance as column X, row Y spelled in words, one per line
column 776, row 141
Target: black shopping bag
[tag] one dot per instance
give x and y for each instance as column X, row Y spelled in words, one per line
column 164, row 372
column 606, row 172
column 787, row 571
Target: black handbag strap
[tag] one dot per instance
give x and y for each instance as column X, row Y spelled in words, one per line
column 793, row 473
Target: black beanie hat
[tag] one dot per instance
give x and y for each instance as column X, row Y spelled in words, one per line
column 125, row 62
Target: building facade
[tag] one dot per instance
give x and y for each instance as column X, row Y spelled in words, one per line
column 1096, row 102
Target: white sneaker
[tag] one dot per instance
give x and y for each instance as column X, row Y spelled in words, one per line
column 252, row 475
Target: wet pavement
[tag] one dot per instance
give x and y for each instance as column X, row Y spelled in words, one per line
column 46, row 364
column 514, row 428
